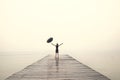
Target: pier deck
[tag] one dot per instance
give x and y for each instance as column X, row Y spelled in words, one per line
column 64, row 68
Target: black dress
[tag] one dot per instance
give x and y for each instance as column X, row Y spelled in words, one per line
column 57, row 51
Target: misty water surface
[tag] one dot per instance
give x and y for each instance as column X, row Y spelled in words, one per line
column 103, row 62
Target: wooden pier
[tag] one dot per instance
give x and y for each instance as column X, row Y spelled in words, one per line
column 62, row 68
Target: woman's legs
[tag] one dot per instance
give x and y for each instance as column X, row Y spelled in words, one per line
column 57, row 55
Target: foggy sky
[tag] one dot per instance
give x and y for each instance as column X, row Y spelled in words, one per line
column 25, row 25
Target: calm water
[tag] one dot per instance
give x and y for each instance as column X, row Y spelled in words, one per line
column 106, row 63
column 16, row 61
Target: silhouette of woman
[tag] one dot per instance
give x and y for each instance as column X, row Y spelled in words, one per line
column 57, row 48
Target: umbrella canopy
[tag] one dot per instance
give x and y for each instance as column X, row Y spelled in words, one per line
column 50, row 40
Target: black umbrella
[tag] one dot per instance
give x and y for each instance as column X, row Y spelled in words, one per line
column 50, row 40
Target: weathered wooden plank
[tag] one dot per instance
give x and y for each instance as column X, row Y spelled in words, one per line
column 64, row 68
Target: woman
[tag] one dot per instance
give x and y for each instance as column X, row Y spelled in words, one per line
column 57, row 48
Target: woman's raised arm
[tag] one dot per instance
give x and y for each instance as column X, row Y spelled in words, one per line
column 53, row 44
column 60, row 44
